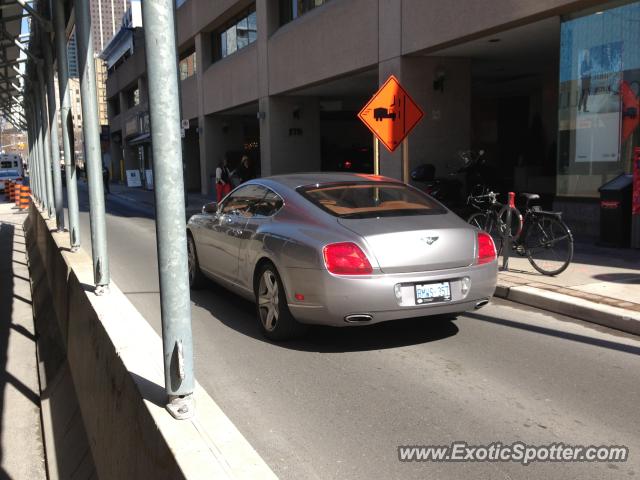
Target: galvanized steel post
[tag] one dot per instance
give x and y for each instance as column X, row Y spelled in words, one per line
column 42, row 168
column 33, row 169
column 158, row 17
column 53, row 133
column 93, row 157
column 67, row 124
column 46, row 143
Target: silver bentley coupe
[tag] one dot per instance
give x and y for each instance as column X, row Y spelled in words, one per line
column 340, row 249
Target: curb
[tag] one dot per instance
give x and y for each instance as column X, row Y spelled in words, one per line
column 605, row 315
column 145, row 207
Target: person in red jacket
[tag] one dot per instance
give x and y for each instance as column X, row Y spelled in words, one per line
column 223, row 179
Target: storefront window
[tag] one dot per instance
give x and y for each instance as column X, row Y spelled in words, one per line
column 599, row 109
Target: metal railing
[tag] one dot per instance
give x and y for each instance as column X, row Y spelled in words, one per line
column 31, row 106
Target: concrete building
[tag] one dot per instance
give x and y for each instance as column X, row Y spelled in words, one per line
column 106, row 18
column 547, row 88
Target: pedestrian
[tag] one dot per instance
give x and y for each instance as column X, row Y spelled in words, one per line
column 223, row 179
column 105, row 178
column 245, row 171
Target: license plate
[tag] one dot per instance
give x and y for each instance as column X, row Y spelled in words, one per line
column 433, row 292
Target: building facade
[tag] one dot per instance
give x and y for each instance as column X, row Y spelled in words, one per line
column 549, row 89
column 106, row 19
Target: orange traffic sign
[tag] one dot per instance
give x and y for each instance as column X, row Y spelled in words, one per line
column 391, row 114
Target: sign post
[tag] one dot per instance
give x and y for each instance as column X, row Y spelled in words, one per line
column 391, row 114
column 376, row 156
column 405, row 160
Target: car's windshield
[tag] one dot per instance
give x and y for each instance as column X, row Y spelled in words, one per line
column 370, row 200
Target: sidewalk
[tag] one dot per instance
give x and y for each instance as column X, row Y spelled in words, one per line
column 602, row 285
column 21, row 447
column 141, row 198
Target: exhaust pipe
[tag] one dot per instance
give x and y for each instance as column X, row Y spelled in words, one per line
column 358, row 318
column 481, row 303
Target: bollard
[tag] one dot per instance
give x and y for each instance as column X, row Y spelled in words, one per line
column 25, row 195
column 506, row 234
column 17, row 195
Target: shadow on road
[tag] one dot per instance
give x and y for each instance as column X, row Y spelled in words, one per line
column 239, row 314
column 619, row 277
column 574, row 337
column 6, row 310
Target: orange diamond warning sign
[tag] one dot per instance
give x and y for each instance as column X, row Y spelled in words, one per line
column 391, row 114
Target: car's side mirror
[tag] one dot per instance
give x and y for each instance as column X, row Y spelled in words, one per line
column 210, row 208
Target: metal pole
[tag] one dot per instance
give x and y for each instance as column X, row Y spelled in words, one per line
column 53, row 133
column 33, row 163
column 46, row 142
column 33, row 179
column 376, row 156
column 405, row 160
column 67, row 125
column 42, row 167
column 158, row 17
column 36, row 158
column 93, row 160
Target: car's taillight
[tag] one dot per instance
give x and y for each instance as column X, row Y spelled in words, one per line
column 346, row 259
column 486, row 248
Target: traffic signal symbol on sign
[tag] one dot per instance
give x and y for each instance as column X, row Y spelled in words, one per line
column 391, row 114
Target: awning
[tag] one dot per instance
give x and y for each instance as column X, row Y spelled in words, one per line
column 144, row 138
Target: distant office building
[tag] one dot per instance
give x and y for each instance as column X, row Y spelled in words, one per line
column 106, row 17
column 72, row 56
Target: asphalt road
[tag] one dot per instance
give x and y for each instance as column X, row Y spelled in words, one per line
column 338, row 403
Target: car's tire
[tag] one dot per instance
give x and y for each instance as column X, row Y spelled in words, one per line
column 196, row 278
column 274, row 318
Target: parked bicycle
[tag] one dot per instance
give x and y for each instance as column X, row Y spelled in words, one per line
column 541, row 236
column 492, row 216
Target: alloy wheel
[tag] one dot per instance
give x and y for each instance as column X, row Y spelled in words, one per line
column 268, row 300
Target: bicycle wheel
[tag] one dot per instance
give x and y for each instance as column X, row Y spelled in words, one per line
column 487, row 222
column 481, row 220
column 549, row 245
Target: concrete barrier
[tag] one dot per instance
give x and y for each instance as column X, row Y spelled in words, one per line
column 114, row 358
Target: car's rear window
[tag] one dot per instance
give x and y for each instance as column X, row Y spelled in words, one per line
column 370, row 200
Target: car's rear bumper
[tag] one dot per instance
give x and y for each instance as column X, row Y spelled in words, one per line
column 329, row 299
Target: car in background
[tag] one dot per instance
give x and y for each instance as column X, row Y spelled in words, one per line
column 340, row 249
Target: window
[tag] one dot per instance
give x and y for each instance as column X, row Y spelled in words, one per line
column 268, row 206
column 292, row 9
column 114, row 106
column 242, row 200
column 237, row 34
column 187, row 65
column 370, row 200
column 132, row 97
column 598, row 106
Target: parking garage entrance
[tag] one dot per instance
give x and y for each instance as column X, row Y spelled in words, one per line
column 345, row 144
